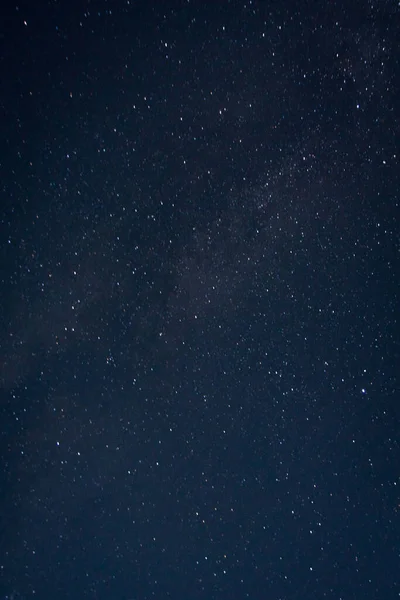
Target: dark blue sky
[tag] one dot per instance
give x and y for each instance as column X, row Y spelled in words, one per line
column 199, row 339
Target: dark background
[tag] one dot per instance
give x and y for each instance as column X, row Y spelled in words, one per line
column 199, row 337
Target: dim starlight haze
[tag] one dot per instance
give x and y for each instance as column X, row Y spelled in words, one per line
column 199, row 344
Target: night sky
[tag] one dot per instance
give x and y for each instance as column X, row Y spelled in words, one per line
column 200, row 285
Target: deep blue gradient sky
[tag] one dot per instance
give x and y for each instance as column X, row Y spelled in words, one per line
column 199, row 336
